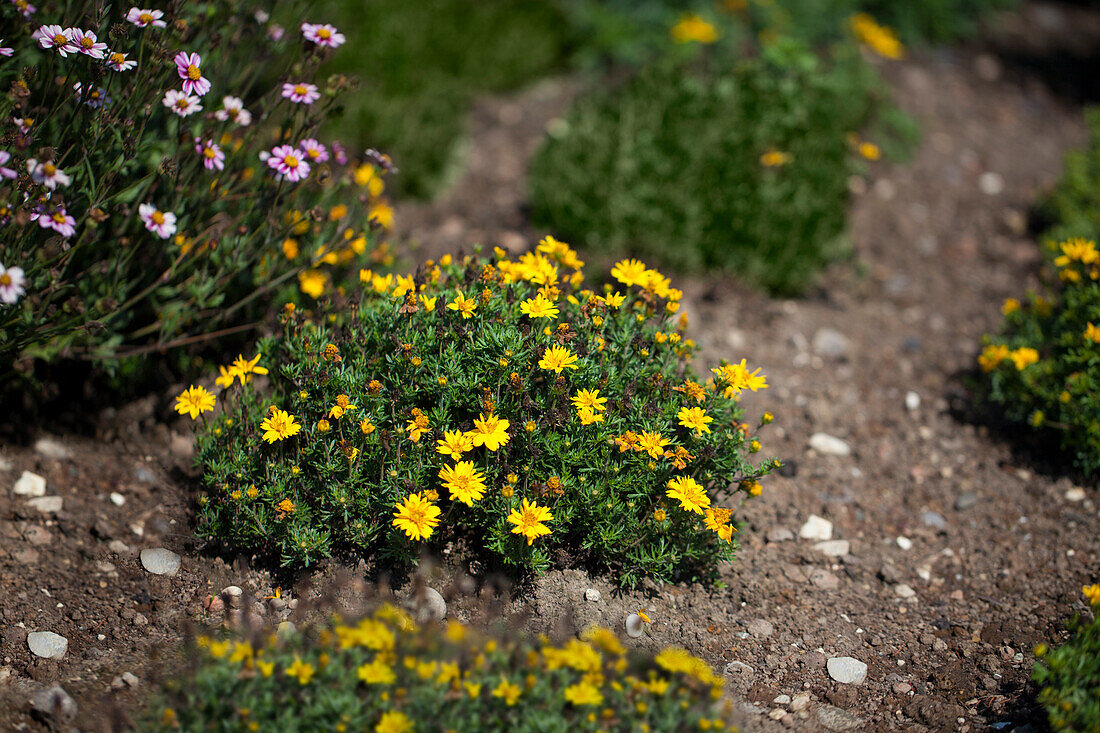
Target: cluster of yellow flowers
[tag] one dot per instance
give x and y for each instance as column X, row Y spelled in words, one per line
column 693, row 29
column 879, row 38
column 1079, row 259
column 993, row 354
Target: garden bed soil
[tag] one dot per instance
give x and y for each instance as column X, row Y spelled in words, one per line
column 964, row 549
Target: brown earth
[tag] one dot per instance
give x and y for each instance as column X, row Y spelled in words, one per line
column 965, row 549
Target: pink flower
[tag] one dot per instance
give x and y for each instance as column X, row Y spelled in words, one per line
column 233, row 109
column 315, row 151
column 5, row 156
column 275, row 32
column 181, row 103
column 301, row 93
column 23, row 123
column 339, row 153
column 12, row 283
column 87, row 43
column 187, row 66
column 118, row 61
column 161, row 223
column 144, row 18
column 5, row 51
column 24, row 7
column 47, row 174
column 322, row 35
column 54, row 36
column 92, row 97
column 288, row 162
column 58, row 220
column 212, row 155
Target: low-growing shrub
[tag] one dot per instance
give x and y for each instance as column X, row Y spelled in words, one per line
column 384, row 674
column 1074, row 207
column 1070, row 675
column 161, row 178
column 493, row 401
column 745, row 171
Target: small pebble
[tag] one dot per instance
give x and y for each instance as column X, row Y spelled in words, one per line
column 829, row 445
column 991, row 183
column 780, row 534
column 118, row 547
column 833, row 548
column 965, row 500
column 591, row 595
column 140, row 620
column 901, row 590
column 431, row 607
column 232, row 595
column 830, row 343
column 800, row 701
column 160, row 561
column 912, row 401
column 905, row 543
column 824, row 579
column 46, row 504
column 847, row 670
column 30, row 484
column 117, row 499
column 54, row 703
column 782, row 700
column 1075, row 494
column 286, row 628
column 932, row 519
column 635, row 626
column 51, row 448
column 738, row 668
column 816, row 528
column 760, row 628
column 47, row 644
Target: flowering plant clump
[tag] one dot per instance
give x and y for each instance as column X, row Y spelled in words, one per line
column 384, row 674
column 158, row 185
column 1070, row 675
column 495, row 400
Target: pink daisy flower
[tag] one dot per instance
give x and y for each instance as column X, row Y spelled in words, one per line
column 5, row 51
column 301, row 93
column 315, row 151
column 47, row 174
column 94, row 98
column 54, row 36
column 145, row 18
column 339, row 154
column 23, row 123
column 275, row 32
column 212, row 155
column 58, row 220
column 233, row 109
column 5, row 156
column 87, row 44
column 181, row 103
column 161, row 223
column 188, row 67
column 24, row 7
column 12, row 284
column 288, row 162
column 118, row 61
column 323, row 34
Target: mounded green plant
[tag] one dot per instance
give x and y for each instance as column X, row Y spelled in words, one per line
column 1070, row 675
column 137, row 213
column 1074, row 207
column 384, row 674
column 744, row 170
column 491, row 401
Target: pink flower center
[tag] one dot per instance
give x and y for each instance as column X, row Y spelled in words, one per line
column 157, row 217
column 193, row 72
column 5, row 280
column 300, row 90
column 291, row 161
column 60, row 39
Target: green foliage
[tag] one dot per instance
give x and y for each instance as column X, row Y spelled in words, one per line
column 413, row 367
column 1074, row 207
column 112, row 287
column 1070, row 678
column 670, row 165
column 386, row 675
column 421, row 64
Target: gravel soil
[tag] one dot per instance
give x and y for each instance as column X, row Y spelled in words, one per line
column 965, row 546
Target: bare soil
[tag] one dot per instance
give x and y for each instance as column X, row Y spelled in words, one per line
column 966, row 547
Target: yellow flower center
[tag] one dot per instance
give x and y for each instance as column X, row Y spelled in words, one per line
column 5, row 280
column 209, row 152
column 324, row 33
column 158, row 217
column 117, row 58
column 58, row 217
column 146, row 18
column 300, row 89
column 182, row 103
column 291, row 161
column 60, row 39
column 49, row 168
column 87, row 42
column 193, row 72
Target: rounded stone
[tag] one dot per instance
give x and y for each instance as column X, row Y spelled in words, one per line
column 592, row 595
column 47, row 644
column 847, row 670
column 160, row 561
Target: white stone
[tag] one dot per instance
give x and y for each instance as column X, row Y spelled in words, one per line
column 905, row 543
column 635, row 626
column 160, row 561
column 30, row 484
column 816, row 528
column 47, row 644
column 117, row 499
column 829, row 445
column 592, row 595
column 286, row 628
column 782, row 700
column 830, row 342
column 912, row 401
column 51, row 448
column 991, row 183
column 800, row 701
column 901, row 590
column 1075, row 494
column 46, row 504
column 847, row 670
column 833, row 548
column 431, row 607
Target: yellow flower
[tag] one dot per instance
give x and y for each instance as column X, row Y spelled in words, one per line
column 614, row 300
column 491, row 432
column 693, row 29
column 529, row 520
column 659, row 515
column 304, row 671
column 245, row 368
column 737, row 377
column 880, row 38
column 429, row 303
column 992, row 356
column 462, row 304
column 417, row 425
column 508, row 692
column 194, row 401
column 394, row 721
column 629, row 272
column 869, row 150
column 1092, row 333
column 279, row 425
column 454, row 444
column 464, row 482
column 266, row 668
column 342, row 406
column 226, row 377
column 651, row 443
column 1077, row 250
column 1024, row 357
column 583, row 693
column 588, row 416
column 1092, row 593
column 775, row 158
column 323, row 426
column 689, row 493
column 366, row 426
column 539, row 307
column 286, row 506
column 591, row 399
column 557, row 358
column 376, row 672
column 1011, row 305
column 312, row 283
column 694, row 418
column 416, row 517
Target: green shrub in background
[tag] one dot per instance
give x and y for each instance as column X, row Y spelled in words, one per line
column 384, row 674
column 489, row 401
column 1070, row 675
column 744, row 170
column 421, row 62
column 137, row 213
column 1074, row 207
